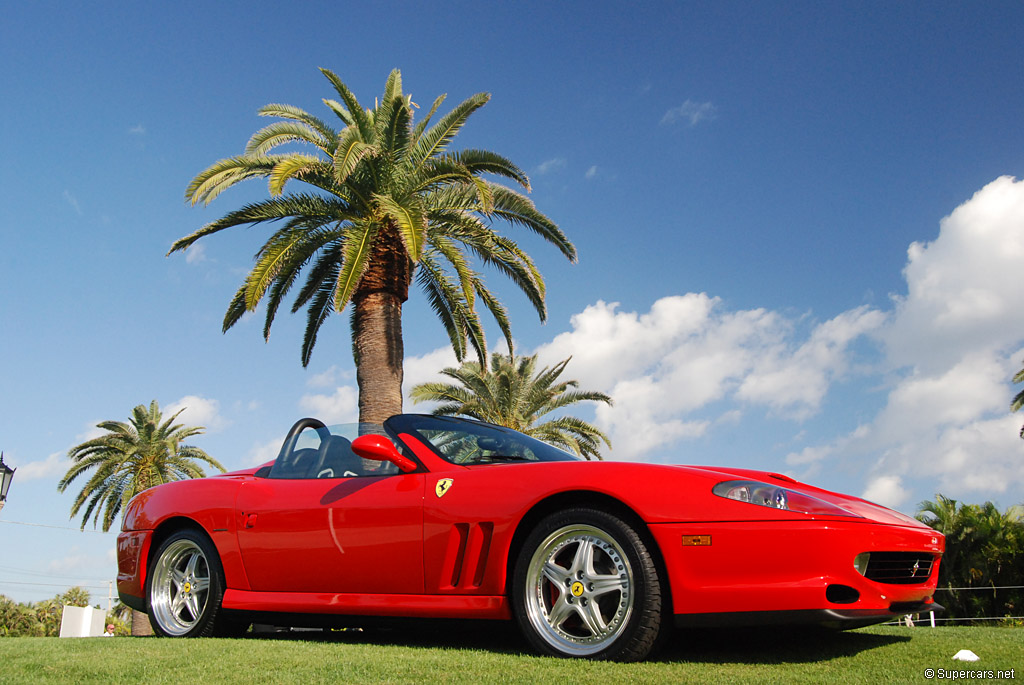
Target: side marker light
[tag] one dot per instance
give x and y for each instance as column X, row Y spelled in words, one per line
column 696, row 541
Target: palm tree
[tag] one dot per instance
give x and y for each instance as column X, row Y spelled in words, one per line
column 387, row 203
column 1018, row 400
column 129, row 458
column 514, row 394
column 984, row 551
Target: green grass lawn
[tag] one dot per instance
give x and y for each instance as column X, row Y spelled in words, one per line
column 493, row 653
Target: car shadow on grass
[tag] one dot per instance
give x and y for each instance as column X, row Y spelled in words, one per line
column 496, row 636
column 769, row 645
column 772, row 645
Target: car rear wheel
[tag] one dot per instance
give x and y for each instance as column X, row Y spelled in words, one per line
column 585, row 585
column 185, row 586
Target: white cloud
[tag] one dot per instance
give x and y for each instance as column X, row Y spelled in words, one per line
column 262, row 453
column 551, row 165
column 54, row 465
column 952, row 344
column 426, row 367
column 963, row 288
column 198, row 411
column 688, row 353
column 795, row 382
column 921, row 404
column 693, row 112
column 137, row 130
column 887, row 491
column 342, row 406
column 329, row 377
column 591, row 172
column 808, row 456
column 195, row 253
column 73, row 201
column 92, row 432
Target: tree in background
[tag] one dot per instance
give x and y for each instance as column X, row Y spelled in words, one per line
column 514, row 394
column 984, row 549
column 129, row 458
column 50, row 612
column 388, row 203
column 18, row 620
column 41, row 619
column 1018, row 401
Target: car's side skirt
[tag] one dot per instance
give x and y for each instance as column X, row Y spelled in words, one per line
column 409, row 606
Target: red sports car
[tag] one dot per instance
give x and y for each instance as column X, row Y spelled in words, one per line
column 434, row 517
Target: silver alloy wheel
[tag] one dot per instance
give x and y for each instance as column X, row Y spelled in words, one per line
column 579, row 590
column 180, row 587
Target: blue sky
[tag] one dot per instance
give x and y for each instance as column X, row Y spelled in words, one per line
column 800, row 232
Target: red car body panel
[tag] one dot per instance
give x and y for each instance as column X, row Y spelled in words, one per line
column 782, row 567
column 354, row 535
column 399, row 545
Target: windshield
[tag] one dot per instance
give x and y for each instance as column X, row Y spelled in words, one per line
column 466, row 441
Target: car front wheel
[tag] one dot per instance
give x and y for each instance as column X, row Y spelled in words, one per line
column 585, row 585
column 185, row 586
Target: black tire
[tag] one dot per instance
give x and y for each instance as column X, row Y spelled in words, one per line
column 185, row 586
column 609, row 594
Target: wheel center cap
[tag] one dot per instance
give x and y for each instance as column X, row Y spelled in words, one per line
column 576, row 589
column 186, row 588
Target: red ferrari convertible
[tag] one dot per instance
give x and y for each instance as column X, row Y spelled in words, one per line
column 433, row 517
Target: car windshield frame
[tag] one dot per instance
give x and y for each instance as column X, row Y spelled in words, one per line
column 468, row 442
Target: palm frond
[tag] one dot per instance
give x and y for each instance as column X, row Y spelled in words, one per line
column 284, row 132
column 319, row 309
column 487, row 162
column 273, row 209
column 292, row 166
column 425, row 121
column 356, row 253
column 356, row 112
column 434, row 141
column 410, row 220
column 322, row 130
column 350, row 151
column 210, row 183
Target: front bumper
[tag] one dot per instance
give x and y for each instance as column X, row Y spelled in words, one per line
column 759, row 572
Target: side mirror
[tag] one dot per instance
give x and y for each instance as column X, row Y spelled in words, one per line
column 379, row 448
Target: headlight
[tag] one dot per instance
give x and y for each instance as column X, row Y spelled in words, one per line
column 774, row 497
column 755, row 493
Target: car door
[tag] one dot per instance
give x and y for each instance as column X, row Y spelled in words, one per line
column 359, row 534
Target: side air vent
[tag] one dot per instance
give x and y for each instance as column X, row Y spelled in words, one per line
column 465, row 563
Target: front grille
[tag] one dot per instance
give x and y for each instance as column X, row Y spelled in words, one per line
column 899, row 568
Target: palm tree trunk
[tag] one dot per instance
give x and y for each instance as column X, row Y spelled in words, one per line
column 377, row 327
column 140, row 624
column 379, row 353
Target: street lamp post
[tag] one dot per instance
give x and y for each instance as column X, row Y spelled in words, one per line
column 6, row 474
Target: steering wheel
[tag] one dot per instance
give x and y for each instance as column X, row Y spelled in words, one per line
column 293, row 437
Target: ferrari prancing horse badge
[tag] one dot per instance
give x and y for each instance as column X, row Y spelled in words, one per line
column 443, row 486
